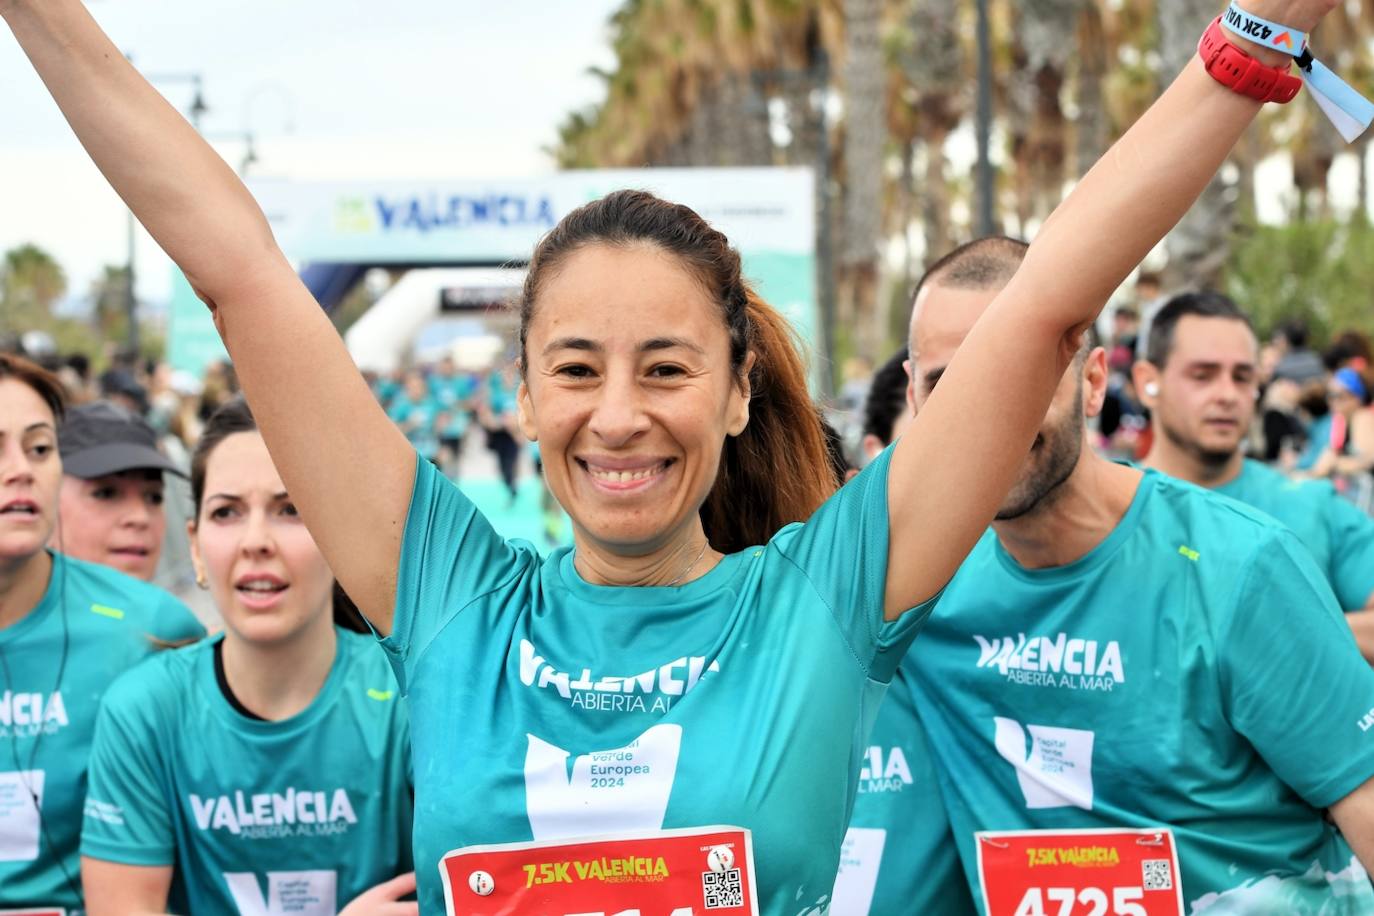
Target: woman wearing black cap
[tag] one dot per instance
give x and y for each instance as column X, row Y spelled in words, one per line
column 112, row 490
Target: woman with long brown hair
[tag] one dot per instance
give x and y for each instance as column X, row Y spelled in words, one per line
column 686, row 666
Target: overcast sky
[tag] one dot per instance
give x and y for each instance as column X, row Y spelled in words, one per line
column 332, row 89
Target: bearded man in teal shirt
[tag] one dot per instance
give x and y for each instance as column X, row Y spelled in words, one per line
column 1117, row 686
column 1200, row 378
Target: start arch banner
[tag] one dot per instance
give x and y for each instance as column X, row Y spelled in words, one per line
column 768, row 214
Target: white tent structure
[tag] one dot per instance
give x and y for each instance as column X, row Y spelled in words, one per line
column 383, row 339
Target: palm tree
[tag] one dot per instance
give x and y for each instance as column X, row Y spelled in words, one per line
column 1045, row 44
column 865, row 142
column 1200, row 246
column 1092, row 126
column 31, row 282
column 109, row 300
column 927, row 105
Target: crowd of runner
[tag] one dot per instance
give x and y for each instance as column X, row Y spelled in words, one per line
column 1141, row 573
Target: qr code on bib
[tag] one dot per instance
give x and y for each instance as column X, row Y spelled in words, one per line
column 722, row 889
column 1159, row 874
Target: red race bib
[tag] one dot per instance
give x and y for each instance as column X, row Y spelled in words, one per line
column 702, row 871
column 1079, row 873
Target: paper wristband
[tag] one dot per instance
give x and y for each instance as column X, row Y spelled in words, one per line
column 1347, row 109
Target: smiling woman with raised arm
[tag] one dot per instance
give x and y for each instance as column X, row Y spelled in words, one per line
column 687, row 665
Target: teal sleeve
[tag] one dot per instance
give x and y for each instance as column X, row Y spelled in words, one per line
column 450, row 556
column 900, row 824
column 1352, row 553
column 1295, row 683
column 175, row 623
column 842, row 549
column 127, row 819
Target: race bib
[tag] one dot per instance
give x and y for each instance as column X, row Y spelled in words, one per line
column 38, row 912
column 1079, row 873
column 702, row 871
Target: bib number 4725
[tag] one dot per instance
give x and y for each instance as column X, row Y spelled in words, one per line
column 1089, row 901
column 1079, row 873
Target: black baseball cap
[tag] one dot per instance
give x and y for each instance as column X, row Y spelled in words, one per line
column 101, row 438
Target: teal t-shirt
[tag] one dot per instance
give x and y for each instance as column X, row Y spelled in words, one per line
column 92, row 624
column 451, row 393
column 742, row 698
column 899, row 854
column 452, row 389
column 418, row 420
column 1191, row 672
column 298, row 816
column 386, row 389
column 1339, row 536
column 500, row 395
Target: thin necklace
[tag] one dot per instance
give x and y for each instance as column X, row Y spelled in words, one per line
column 704, row 544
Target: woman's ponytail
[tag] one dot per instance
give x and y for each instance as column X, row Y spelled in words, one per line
column 776, row 471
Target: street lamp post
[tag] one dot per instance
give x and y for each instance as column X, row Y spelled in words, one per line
column 985, row 179
column 196, row 111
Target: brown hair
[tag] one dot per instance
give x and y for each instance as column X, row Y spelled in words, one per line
column 234, row 416
column 43, row 382
column 777, row 470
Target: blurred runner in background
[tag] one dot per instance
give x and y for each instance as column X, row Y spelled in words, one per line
column 1200, row 378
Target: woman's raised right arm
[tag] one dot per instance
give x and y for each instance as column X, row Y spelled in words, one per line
column 347, row 468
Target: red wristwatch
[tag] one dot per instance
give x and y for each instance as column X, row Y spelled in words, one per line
column 1240, row 72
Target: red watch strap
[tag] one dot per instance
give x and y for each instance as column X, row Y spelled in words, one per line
column 1241, row 73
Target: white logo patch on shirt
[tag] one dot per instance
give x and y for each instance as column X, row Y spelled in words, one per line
column 1058, row 770
column 21, row 799
column 860, row 858
column 1063, row 661
column 621, row 790
column 289, row 893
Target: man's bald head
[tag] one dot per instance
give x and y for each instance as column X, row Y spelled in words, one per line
column 950, row 299
column 967, row 278
column 986, row 263
column 983, row 265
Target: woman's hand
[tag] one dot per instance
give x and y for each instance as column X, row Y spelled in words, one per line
column 385, row 898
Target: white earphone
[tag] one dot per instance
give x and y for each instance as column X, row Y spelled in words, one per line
column 1152, row 389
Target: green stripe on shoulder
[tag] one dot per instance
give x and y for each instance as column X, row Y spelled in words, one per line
column 379, row 695
column 106, row 611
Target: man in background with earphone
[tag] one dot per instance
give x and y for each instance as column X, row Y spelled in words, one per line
column 1200, row 378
